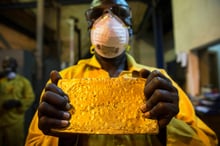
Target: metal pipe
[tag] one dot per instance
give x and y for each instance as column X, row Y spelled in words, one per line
column 158, row 35
column 71, row 48
column 40, row 34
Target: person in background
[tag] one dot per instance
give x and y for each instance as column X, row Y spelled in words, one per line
column 110, row 29
column 16, row 96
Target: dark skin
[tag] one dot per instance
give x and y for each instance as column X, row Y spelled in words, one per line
column 162, row 103
column 113, row 66
column 162, row 98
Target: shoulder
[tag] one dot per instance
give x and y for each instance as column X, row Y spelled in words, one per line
column 137, row 66
column 22, row 78
column 150, row 68
column 74, row 70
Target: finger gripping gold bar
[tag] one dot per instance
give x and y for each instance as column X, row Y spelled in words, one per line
column 107, row 106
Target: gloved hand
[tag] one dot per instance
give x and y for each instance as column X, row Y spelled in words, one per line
column 162, row 98
column 11, row 103
column 54, row 106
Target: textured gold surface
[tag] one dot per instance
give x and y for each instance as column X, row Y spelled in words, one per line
column 107, row 106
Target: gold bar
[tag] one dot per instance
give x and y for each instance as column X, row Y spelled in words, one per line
column 107, row 106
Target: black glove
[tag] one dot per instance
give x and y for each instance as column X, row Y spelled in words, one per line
column 11, row 103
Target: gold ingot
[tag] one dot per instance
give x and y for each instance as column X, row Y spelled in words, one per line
column 107, row 106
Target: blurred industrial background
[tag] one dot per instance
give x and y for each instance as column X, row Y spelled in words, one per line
column 181, row 36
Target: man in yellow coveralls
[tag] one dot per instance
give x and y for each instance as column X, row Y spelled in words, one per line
column 16, row 96
column 110, row 29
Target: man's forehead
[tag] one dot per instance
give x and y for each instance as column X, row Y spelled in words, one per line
column 96, row 3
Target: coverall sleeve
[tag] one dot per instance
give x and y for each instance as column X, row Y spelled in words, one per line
column 36, row 137
column 28, row 95
column 186, row 129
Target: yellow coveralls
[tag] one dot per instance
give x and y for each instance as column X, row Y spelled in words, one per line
column 186, row 129
column 12, row 121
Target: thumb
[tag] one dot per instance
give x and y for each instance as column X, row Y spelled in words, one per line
column 55, row 76
column 144, row 73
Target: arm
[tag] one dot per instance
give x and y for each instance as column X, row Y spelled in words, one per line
column 167, row 103
column 36, row 137
column 28, row 95
column 22, row 95
column 52, row 113
column 186, row 125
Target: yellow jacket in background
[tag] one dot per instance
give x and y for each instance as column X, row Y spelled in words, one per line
column 20, row 89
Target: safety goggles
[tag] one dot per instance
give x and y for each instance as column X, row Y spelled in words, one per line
column 122, row 11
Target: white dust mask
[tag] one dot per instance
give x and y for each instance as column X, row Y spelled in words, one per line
column 109, row 36
column 11, row 75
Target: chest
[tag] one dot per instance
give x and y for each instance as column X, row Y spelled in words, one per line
column 10, row 86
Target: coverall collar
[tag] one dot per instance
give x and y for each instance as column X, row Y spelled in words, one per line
column 132, row 65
